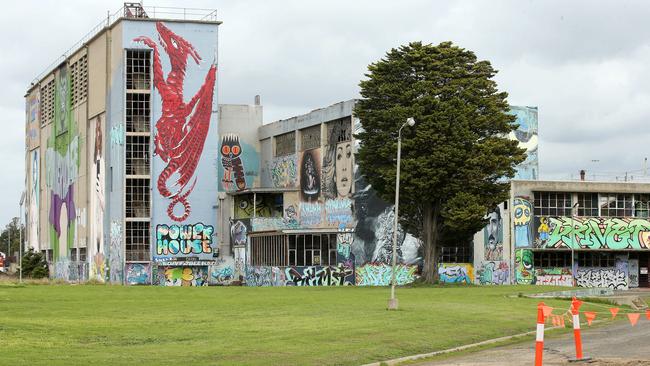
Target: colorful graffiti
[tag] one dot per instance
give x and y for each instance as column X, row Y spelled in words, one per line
column 97, row 204
column 602, row 277
column 182, row 128
column 138, row 274
column 523, row 212
column 265, row 276
column 337, row 170
column 310, row 175
column 283, row 171
column 183, row 240
column 524, row 273
column 379, row 274
column 310, row 213
column 34, row 203
column 115, row 268
column 633, row 275
column 526, row 134
column 238, row 232
column 338, row 211
column 320, row 276
column 223, row 273
column 259, row 205
column 456, row 273
column 240, row 263
column 233, row 166
column 33, row 119
column 118, row 134
column 493, row 273
column 182, row 276
column 344, row 241
column 593, row 233
column 493, row 236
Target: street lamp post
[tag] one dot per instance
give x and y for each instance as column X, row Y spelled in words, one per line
column 573, row 236
column 392, row 302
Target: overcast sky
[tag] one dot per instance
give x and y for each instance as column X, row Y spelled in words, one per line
column 584, row 64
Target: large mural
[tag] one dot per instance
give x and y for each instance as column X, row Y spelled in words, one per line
column 34, row 200
column 493, row 236
column 97, row 178
column 185, row 142
column 239, row 163
column 526, row 134
column 523, row 214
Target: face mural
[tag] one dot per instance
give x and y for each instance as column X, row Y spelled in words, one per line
column 97, row 204
column 310, row 175
column 523, row 212
column 233, row 166
column 524, row 273
column 493, row 236
column 184, row 122
column 337, row 171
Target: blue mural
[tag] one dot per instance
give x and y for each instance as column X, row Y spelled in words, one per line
column 526, row 134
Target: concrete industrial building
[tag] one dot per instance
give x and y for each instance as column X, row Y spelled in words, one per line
column 136, row 175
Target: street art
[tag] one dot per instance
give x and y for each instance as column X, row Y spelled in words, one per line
column 291, row 217
column 337, row 170
column 554, row 280
column 268, row 224
column 223, row 273
column 633, row 275
column 523, row 212
column 310, row 214
column 320, row 276
column 238, row 233
column 526, row 135
column 62, row 169
column 115, row 270
column 310, row 175
column 344, row 241
column 379, row 274
column 493, row 273
column 493, row 236
column 524, row 274
column 260, row 205
column 97, row 204
column 118, row 134
column 183, row 276
column 182, row 128
column 183, row 240
column 283, row 171
column 265, row 276
column 233, row 166
column 594, row 233
column 240, row 263
column 33, row 118
column 338, row 211
column 34, row 197
column 456, row 273
column 70, row 270
column 602, row 277
column 138, row 273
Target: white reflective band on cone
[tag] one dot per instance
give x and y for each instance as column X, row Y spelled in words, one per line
column 540, row 333
column 576, row 321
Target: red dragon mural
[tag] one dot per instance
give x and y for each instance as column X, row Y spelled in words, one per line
column 183, row 126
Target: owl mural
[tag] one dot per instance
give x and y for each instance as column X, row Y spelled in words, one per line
column 233, row 166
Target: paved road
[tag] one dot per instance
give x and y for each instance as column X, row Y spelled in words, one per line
column 618, row 344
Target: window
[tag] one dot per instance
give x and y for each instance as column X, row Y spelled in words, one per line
column 79, row 80
column 293, row 250
column 588, row 204
column 138, row 110
column 552, row 204
column 456, row 255
column 596, row 259
column 137, row 241
column 339, row 130
column 138, row 70
column 47, row 102
column 552, row 259
column 82, row 255
column 285, row 144
column 641, row 205
column 310, row 138
column 616, row 205
column 137, row 197
column 137, row 155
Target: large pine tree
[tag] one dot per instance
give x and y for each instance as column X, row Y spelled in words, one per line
column 455, row 159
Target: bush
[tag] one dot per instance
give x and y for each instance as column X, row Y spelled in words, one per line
column 34, row 265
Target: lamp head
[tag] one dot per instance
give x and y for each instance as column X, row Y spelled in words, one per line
column 410, row 121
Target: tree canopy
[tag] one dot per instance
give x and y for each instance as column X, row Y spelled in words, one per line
column 456, row 159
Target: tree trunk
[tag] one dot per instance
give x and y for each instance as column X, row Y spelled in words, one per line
column 431, row 233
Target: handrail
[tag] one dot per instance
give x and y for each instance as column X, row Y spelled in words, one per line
column 151, row 12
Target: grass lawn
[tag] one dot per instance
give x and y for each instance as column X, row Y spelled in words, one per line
column 116, row 325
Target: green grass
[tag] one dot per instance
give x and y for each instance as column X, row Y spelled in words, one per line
column 116, row 325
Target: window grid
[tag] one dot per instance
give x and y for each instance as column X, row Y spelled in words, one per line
column 456, row 255
column 138, row 111
column 616, row 205
column 560, row 259
column 310, row 137
column 138, row 70
column 137, row 198
column 339, row 131
column 596, row 259
column 137, row 155
column 552, row 204
column 641, row 205
column 285, row 144
column 47, row 102
column 137, row 241
column 588, row 204
column 269, row 250
column 79, row 80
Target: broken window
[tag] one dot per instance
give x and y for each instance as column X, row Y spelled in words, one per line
column 285, row 144
column 137, row 241
column 310, row 137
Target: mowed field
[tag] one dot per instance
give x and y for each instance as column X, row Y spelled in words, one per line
column 121, row 325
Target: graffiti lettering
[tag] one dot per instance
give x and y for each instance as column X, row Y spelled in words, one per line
column 493, row 273
column 594, row 233
column 602, row 277
column 184, row 239
column 379, row 274
column 310, row 213
column 455, row 273
column 137, row 273
column 182, row 276
column 319, row 276
column 338, row 211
